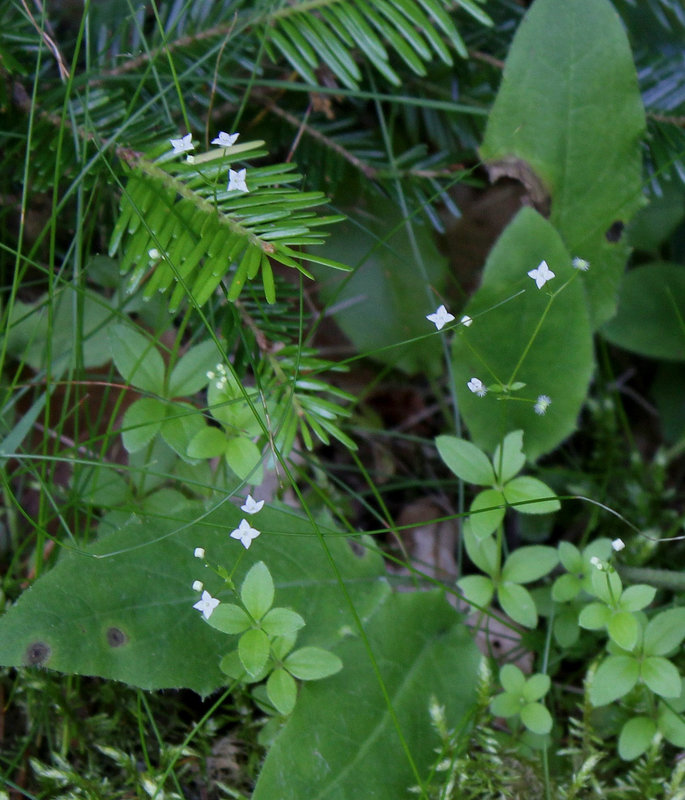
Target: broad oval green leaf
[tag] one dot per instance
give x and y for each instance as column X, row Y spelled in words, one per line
column 244, row 458
column 141, row 422
column 465, row 460
column 520, row 491
column 253, row 651
column 257, row 590
column 594, row 616
column 209, row 442
column 637, row 597
column 511, row 312
column 183, row 422
column 312, row 663
column 282, row 691
column 282, row 621
column 509, row 458
column 623, row 629
column 661, row 676
column 506, row 705
column 477, row 589
column 529, row 563
column 483, row 552
column 486, row 512
column 567, row 122
column 665, row 632
column 671, row 725
column 536, row 686
column 190, row 373
column 512, row 679
column 137, row 359
column 650, row 319
column 536, row 718
column 518, row 604
column 565, row 588
column 229, row 618
column 614, row 678
column 314, row 748
column 636, row 736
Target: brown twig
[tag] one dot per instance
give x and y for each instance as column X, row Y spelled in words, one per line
column 49, row 41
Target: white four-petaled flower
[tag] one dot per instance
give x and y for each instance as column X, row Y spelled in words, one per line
column 251, row 506
column 477, row 387
column 225, row 139
column 199, row 552
column 466, row 321
column 206, row 605
column 618, row 545
column 541, row 274
column 542, row 404
column 245, row 532
column 440, row 317
column 183, row 145
column 236, row 181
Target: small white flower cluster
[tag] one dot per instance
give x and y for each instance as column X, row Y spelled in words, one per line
column 221, row 380
column 236, row 178
column 246, row 533
column 542, row 404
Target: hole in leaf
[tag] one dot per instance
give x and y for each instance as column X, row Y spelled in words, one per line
column 37, row 653
column 614, row 232
column 116, row 637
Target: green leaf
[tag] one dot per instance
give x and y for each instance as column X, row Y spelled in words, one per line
column 665, row 632
column 465, row 460
column 282, row 691
column 486, row 512
column 524, row 489
column 570, row 557
column 232, row 666
column 536, row 718
column 614, row 678
column 594, row 616
column 636, row 736
column 281, row 622
column 623, row 629
column 477, row 589
column 566, row 630
column 141, row 422
column 509, row 457
column 527, row 564
column 536, row 687
column 182, row 424
column 229, row 618
column 244, row 458
column 506, row 705
column 565, row 588
column 651, row 312
column 512, row 679
column 661, row 676
column 257, row 591
column 137, row 359
column 483, row 552
column 312, row 663
column 209, row 442
column 637, row 597
column 569, row 80
column 518, row 604
column 253, row 651
column 671, row 725
column 343, row 727
column 190, row 373
column 511, row 314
